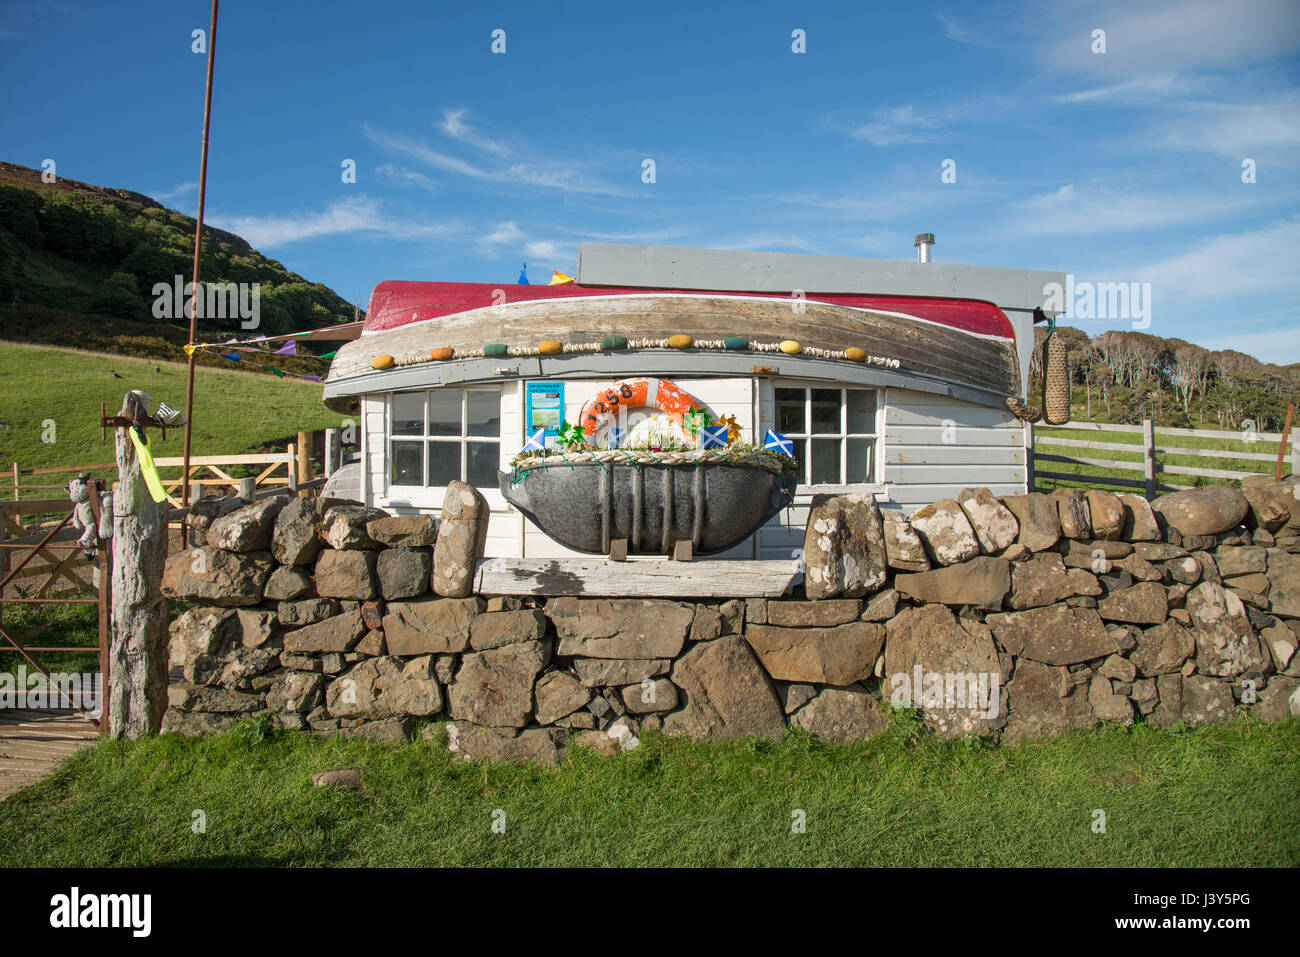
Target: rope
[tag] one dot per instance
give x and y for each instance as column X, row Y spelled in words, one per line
column 646, row 457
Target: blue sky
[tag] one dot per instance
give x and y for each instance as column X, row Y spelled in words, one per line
column 1122, row 166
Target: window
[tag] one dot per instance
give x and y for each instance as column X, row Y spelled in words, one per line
column 445, row 434
column 834, row 433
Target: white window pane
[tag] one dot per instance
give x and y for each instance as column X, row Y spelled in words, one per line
column 826, row 411
column 825, row 461
column 483, row 414
column 860, row 466
column 444, row 463
column 408, row 413
column 444, row 412
column 406, row 465
column 484, row 461
column 861, row 411
column 790, row 411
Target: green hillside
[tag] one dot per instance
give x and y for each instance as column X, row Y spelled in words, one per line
column 234, row 411
column 78, row 265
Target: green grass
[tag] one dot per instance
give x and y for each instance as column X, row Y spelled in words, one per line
column 1220, row 797
column 234, row 411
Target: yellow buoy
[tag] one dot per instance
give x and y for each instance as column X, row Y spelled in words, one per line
column 680, row 341
column 443, row 353
column 550, row 347
column 790, row 347
column 855, row 355
column 381, row 362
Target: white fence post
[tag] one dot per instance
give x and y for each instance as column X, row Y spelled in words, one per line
column 1029, row 456
column 1149, row 456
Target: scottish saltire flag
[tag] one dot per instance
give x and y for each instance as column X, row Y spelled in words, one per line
column 617, row 436
column 536, row 442
column 778, row 443
column 713, row 436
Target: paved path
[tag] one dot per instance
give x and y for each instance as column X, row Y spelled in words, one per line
column 33, row 742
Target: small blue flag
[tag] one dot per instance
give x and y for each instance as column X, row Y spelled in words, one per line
column 778, row 443
column 713, row 435
column 523, row 276
column 617, row 436
column 536, row 442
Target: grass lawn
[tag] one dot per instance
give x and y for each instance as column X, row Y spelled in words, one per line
column 1226, row 796
column 234, row 411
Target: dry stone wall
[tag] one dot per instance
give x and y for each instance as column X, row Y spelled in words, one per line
column 1008, row 618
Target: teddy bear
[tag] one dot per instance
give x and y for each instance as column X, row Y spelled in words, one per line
column 84, row 515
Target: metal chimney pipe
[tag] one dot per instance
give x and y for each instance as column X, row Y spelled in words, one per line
column 923, row 242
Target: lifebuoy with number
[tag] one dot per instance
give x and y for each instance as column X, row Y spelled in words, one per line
column 634, row 394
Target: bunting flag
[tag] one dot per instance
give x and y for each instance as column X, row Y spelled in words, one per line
column 290, row 348
column 536, row 442
column 560, row 279
column 713, row 436
column 778, row 443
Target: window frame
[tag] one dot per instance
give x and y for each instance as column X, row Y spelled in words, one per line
column 424, row 439
column 874, row 480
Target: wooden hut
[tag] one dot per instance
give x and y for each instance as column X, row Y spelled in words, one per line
column 887, row 377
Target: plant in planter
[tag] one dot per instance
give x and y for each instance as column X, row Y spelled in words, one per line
column 654, row 492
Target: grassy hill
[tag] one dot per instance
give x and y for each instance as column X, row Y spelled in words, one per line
column 78, row 264
column 234, row 411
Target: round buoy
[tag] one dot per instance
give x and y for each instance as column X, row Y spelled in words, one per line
column 791, row 347
column 735, row 343
column 613, row 343
column 495, row 349
column 855, row 355
column 443, row 353
column 680, row 341
column 550, row 347
column 381, row 362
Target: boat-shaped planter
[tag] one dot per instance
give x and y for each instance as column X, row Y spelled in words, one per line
column 587, row 500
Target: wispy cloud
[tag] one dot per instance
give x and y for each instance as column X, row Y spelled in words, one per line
column 171, row 195
column 398, row 176
column 1242, row 265
column 354, row 215
column 549, row 174
column 1095, row 210
column 453, row 125
column 959, row 33
column 893, row 126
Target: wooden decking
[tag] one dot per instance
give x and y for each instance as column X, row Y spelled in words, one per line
column 33, row 742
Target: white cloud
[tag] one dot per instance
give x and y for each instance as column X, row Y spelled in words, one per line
column 1092, row 211
column 896, row 125
column 453, row 124
column 551, row 250
column 502, row 234
column 171, row 195
column 959, row 33
column 405, row 177
column 1232, row 266
column 1280, row 346
column 360, row 214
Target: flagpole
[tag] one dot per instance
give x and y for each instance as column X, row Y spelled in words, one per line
column 198, row 250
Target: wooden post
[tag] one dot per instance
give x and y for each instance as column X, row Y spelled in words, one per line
column 1149, row 457
column 293, row 471
column 137, row 697
column 304, row 459
column 104, row 592
column 1281, row 446
column 4, row 555
column 247, row 488
column 1029, row 457
column 333, row 452
column 17, row 481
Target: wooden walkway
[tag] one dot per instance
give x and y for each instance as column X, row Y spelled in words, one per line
column 33, row 742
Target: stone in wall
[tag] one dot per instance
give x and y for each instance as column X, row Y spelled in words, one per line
column 620, row 628
column 1055, row 635
column 994, row 524
column 844, row 547
column 1202, row 511
column 946, row 532
column 431, row 625
column 727, row 694
column 297, row 538
column 1140, row 523
column 385, row 687
column 559, row 694
column 1040, row 522
column 247, row 529
column 495, row 688
column 1044, row 580
column 982, row 581
column 462, row 538
column 344, row 527
column 346, row 574
column 842, row 714
column 1072, row 510
column 903, row 548
column 404, row 531
column 839, row 655
column 217, row 576
column 403, row 572
column 1226, row 642
column 1106, row 511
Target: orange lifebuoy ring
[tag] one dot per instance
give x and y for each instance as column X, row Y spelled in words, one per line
column 633, row 394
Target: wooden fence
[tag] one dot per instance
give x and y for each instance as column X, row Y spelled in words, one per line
column 1155, row 452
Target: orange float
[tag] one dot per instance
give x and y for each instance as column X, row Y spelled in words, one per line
column 634, row 394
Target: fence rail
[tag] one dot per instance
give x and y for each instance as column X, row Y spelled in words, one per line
column 1158, row 450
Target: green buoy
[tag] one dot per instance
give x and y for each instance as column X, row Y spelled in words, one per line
column 495, row 349
column 735, row 343
column 612, row 343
